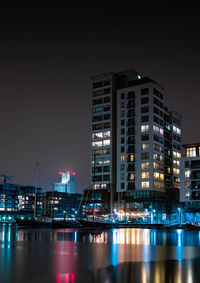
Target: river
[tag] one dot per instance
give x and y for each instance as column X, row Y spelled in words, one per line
column 112, row 255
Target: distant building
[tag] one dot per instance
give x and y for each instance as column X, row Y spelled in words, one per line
column 18, row 200
column 59, row 205
column 66, row 185
column 190, row 182
column 135, row 142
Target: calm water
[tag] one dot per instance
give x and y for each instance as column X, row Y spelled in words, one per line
column 115, row 255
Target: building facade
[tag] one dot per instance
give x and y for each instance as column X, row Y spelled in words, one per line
column 66, row 184
column 139, row 156
column 190, row 182
column 16, row 200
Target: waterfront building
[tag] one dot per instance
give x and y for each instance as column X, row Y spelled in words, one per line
column 60, row 205
column 97, row 201
column 66, row 184
column 135, row 143
column 19, row 200
column 190, row 183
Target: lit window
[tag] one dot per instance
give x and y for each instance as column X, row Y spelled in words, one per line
column 131, row 157
column 191, row 152
column 145, row 146
column 106, row 134
column 122, row 158
column 132, row 176
column 145, row 165
column 168, row 170
column 158, row 176
column 145, row 184
column 187, row 194
column 176, row 130
column 187, row 174
column 97, row 144
column 97, row 135
column 176, row 171
column 145, row 175
column 158, row 185
column 176, row 162
column 176, row 154
column 106, row 142
column 144, row 128
column 187, row 185
column 158, row 130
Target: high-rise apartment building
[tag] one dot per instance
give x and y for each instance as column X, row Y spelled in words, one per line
column 136, row 141
column 190, row 182
column 66, row 184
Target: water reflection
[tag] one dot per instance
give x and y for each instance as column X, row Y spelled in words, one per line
column 115, row 255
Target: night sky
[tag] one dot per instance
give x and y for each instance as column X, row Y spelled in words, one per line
column 47, row 59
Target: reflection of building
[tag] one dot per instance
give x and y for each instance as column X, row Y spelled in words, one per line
column 18, row 200
column 136, row 141
column 66, row 185
column 190, row 182
column 59, row 204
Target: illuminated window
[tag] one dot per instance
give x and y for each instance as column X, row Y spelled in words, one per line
column 187, row 174
column 176, row 171
column 176, row 162
column 187, row 185
column 106, row 142
column 168, row 170
column 122, row 158
column 144, row 146
column 158, row 176
column 176, row 154
column 132, row 176
column 145, row 165
column 158, row 130
column 157, row 156
column 97, row 144
column 191, row 152
column 144, row 128
column 98, row 135
column 145, row 184
column 131, row 157
column 187, row 194
column 106, row 134
column 145, row 175
column 158, row 185
column 176, row 130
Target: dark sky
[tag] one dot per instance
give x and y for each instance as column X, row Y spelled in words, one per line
column 47, row 59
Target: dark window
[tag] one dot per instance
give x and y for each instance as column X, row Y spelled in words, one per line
column 106, row 83
column 106, row 116
column 156, row 110
column 97, row 101
column 122, row 149
column 122, row 167
column 131, row 131
column 130, row 113
column 156, row 119
column 107, row 99
column 144, row 91
column 131, row 140
column 106, row 90
column 131, row 186
column 144, row 109
column 144, row 100
column 96, row 118
column 106, row 125
column 156, row 101
column 122, row 95
column 131, row 104
column 145, row 155
column 97, row 84
column 131, row 95
column 144, row 118
column 97, row 127
column 131, row 122
column 96, row 178
column 144, row 137
column 122, row 140
column 122, row 186
column 122, row 122
column 131, row 149
column 106, row 177
column 106, row 108
column 194, row 164
column 122, row 131
column 106, row 169
column 187, row 164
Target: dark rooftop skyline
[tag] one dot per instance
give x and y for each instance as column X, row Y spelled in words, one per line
column 47, row 59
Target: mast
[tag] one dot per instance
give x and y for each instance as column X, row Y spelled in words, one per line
column 36, row 180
